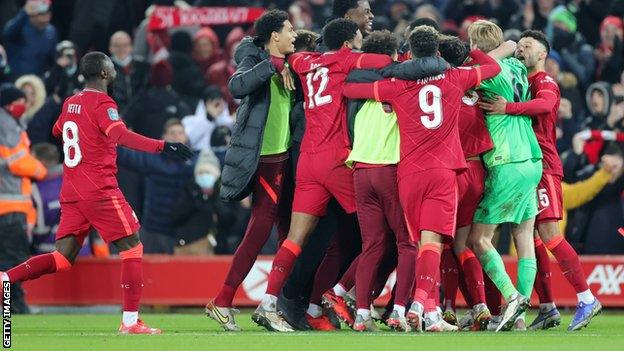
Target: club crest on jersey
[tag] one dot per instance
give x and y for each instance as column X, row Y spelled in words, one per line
column 112, row 114
column 470, row 98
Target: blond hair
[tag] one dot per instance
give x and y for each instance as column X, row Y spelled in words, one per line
column 485, row 35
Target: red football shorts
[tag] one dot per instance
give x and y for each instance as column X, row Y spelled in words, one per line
column 113, row 218
column 470, row 186
column 429, row 200
column 549, row 199
column 320, row 176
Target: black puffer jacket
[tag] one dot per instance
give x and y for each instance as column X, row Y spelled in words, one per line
column 250, row 82
column 409, row 70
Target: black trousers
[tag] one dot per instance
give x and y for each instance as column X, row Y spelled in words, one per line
column 14, row 249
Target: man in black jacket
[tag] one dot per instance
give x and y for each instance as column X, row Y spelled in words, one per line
column 258, row 161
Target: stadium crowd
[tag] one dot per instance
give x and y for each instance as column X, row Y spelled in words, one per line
column 172, row 84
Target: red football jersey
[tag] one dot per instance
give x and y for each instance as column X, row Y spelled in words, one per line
column 90, row 164
column 427, row 112
column 473, row 134
column 545, row 125
column 322, row 77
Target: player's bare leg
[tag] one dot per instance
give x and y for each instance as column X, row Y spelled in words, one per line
column 131, row 252
column 588, row 306
column 266, row 315
column 481, row 242
column 527, row 266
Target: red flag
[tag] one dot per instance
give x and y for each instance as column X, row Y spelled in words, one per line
column 165, row 17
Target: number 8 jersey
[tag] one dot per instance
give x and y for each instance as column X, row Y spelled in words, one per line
column 90, row 163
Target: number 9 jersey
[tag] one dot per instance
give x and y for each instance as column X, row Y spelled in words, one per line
column 90, row 163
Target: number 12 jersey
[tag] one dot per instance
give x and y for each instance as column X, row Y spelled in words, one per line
column 90, row 164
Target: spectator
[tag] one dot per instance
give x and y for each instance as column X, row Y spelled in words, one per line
column 64, row 79
column 34, row 90
column 17, row 168
column 206, row 49
column 30, row 39
column 164, row 181
column 46, row 194
column 219, row 74
column 575, row 52
column 534, row 15
column 154, row 106
column 5, row 69
column 590, row 13
column 609, row 54
column 131, row 75
column 579, row 193
column 188, row 79
column 195, row 211
column 94, row 21
column 220, row 141
column 40, row 126
column 210, row 113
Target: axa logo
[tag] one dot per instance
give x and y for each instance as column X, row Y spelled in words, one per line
column 610, row 278
column 256, row 281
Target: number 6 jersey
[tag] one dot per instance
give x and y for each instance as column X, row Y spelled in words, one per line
column 90, row 163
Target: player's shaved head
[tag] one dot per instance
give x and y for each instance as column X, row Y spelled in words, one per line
column 538, row 36
column 423, row 41
column 96, row 65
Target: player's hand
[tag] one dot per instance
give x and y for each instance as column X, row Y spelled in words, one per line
column 177, row 151
column 495, row 106
column 287, row 78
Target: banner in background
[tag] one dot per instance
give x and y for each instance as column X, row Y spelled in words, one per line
column 191, row 281
column 165, row 17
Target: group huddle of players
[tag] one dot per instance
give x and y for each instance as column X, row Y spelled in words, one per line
column 433, row 144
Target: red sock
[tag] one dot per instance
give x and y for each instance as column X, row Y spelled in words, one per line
column 473, row 274
column 427, row 270
column 132, row 277
column 492, row 295
column 544, row 274
column 568, row 262
column 467, row 294
column 449, row 271
column 37, row 266
column 282, row 266
column 225, row 296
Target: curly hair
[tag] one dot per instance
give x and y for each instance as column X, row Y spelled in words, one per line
column 336, row 32
column 453, row 50
column 423, row 41
column 381, row 42
column 271, row 21
column 306, row 40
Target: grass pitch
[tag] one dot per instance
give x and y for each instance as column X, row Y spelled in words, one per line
column 189, row 332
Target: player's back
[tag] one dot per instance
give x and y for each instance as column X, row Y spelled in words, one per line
column 323, row 76
column 427, row 112
column 90, row 157
column 513, row 136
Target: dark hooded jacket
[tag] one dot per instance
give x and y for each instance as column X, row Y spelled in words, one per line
column 251, row 83
column 408, row 70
